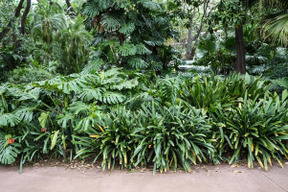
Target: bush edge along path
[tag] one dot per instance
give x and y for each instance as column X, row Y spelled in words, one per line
column 131, row 119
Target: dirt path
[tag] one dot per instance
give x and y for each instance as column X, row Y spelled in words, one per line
column 220, row 178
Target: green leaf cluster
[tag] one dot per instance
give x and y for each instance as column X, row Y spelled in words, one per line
column 131, row 34
column 129, row 119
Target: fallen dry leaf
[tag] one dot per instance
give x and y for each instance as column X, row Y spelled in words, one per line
column 237, row 171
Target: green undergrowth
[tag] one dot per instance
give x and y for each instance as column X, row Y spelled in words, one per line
column 131, row 119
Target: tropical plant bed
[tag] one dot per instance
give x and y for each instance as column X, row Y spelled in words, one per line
column 128, row 119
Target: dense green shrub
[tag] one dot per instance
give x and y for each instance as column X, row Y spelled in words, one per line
column 171, row 136
column 112, row 139
column 216, row 91
column 256, row 129
column 131, row 119
column 132, row 34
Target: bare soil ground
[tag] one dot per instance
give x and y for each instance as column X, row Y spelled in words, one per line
column 57, row 176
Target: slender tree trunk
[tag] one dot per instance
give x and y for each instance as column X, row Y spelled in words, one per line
column 195, row 44
column 240, row 66
column 69, row 7
column 191, row 49
column 189, row 41
column 24, row 16
column 17, row 14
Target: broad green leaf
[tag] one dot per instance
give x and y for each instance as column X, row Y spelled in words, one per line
column 43, row 119
column 54, row 138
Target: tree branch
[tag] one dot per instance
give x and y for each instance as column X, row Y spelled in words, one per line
column 51, row 3
column 24, row 16
column 69, row 6
column 17, row 14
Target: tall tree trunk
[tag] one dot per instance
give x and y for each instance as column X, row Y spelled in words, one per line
column 240, row 66
column 189, row 41
column 24, row 16
column 17, row 14
column 195, row 44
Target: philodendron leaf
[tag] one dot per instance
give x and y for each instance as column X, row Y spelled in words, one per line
column 43, row 119
column 54, row 137
column 8, row 152
column 9, row 119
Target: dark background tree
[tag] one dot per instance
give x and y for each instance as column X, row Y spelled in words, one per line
column 131, row 34
column 233, row 13
column 24, row 17
column 8, row 27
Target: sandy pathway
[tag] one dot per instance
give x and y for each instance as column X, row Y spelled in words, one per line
column 220, row 178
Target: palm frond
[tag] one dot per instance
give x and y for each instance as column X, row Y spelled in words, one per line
column 277, row 29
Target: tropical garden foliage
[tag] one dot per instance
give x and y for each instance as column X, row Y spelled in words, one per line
column 91, row 80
